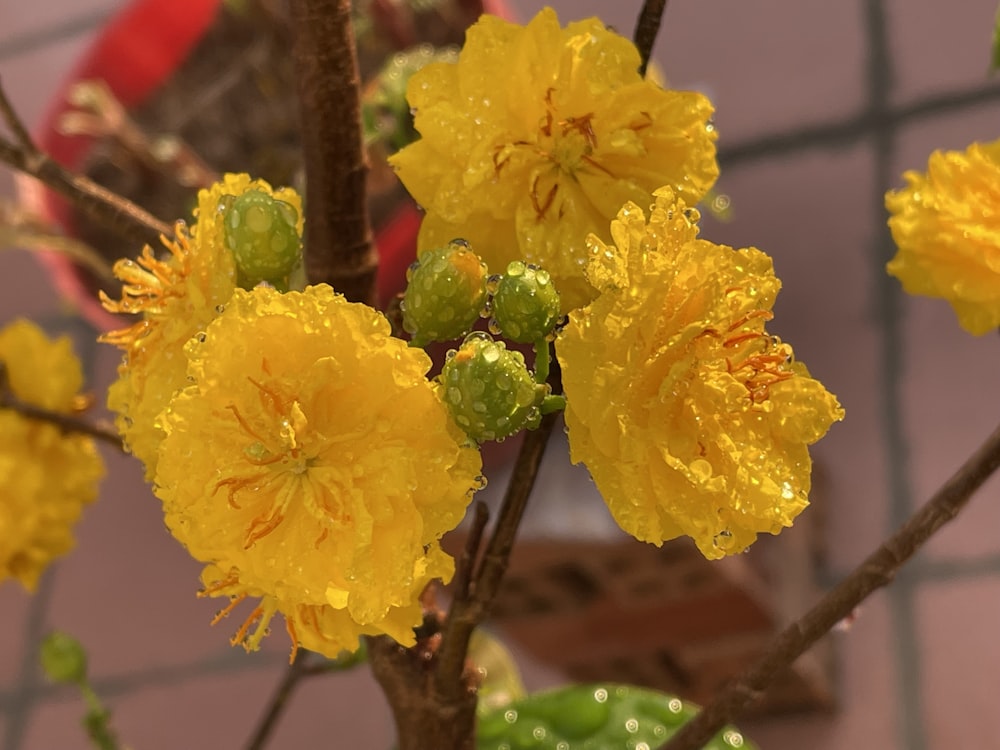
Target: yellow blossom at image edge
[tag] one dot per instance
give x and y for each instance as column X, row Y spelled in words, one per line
column 177, row 297
column 946, row 224
column 538, row 135
column 311, row 465
column 46, row 476
column 690, row 417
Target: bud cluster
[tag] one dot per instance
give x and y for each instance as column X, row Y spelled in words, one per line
column 488, row 388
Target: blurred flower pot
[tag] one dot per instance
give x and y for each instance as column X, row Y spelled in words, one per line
column 139, row 51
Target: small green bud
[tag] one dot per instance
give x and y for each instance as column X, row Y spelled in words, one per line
column 445, row 293
column 488, row 389
column 525, row 303
column 261, row 232
column 63, row 659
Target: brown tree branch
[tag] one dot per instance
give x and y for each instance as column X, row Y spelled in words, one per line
column 467, row 562
column 65, row 422
column 876, row 571
column 469, row 610
column 647, row 26
column 338, row 244
column 116, row 213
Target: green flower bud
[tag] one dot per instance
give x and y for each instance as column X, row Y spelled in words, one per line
column 489, row 390
column 525, row 303
column 260, row 230
column 63, row 659
column 445, row 293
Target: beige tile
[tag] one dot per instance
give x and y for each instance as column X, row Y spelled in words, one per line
column 26, row 291
column 768, row 65
column 14, row 604
column 958, row 622
column 939, row 46
column 220, row 711
column 129, row 590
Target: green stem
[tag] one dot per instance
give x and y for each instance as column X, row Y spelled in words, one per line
column 97, row 720
column 543, row 360
column 552, row 403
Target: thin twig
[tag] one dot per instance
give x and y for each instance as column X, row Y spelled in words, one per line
column 21, row 136
column 279, row 700
column 113, row 211
column 338, row 244
column 876, row 571
column 65, row 422
column 468, row 611
column 467, row 562
column 647, row 26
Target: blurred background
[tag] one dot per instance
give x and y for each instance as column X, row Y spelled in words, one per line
column 820, row 108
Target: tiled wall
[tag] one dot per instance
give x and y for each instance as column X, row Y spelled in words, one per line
column 821, row 106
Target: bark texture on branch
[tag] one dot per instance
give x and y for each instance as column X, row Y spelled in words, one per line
column 338, row 239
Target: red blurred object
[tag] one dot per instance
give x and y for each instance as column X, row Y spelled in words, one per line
column 136, row 52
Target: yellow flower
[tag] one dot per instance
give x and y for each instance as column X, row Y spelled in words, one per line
column 691, row 419
column 538, row 135
column 177, row 297
column 312, row 465
column 946, row 224
column 46, row 476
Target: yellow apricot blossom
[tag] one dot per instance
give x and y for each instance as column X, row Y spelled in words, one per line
column 312, row 465
column 538, row 135
column 691, row 419
column 46, row 475
column 177, row 297
column 946, row 224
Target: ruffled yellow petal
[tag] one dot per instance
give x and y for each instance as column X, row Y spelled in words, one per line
column 177, row 296
column 691, row 419
column 539, row 134
column 946, row 224
column 311, row 459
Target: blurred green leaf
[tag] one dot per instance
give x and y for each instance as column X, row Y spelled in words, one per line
column 500, row 678
column 593, row 717
column 995, row 62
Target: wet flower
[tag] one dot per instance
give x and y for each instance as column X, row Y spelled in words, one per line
column 46, row 475
column 313, row 466
column 691, row 419
column 177, row 297
column 538, row 135
column 946, row 224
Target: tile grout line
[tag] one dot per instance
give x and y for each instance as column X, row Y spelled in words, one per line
column 23, row 700
column 115, row 686
column 889, row 302
column 846, row 132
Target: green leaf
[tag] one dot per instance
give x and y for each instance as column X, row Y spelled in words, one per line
column 594, row 717
column 501, row 680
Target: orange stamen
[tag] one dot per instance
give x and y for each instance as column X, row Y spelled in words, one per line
column 541, row 208
column 225, row 612
column 241, row 634
column 290, row 627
